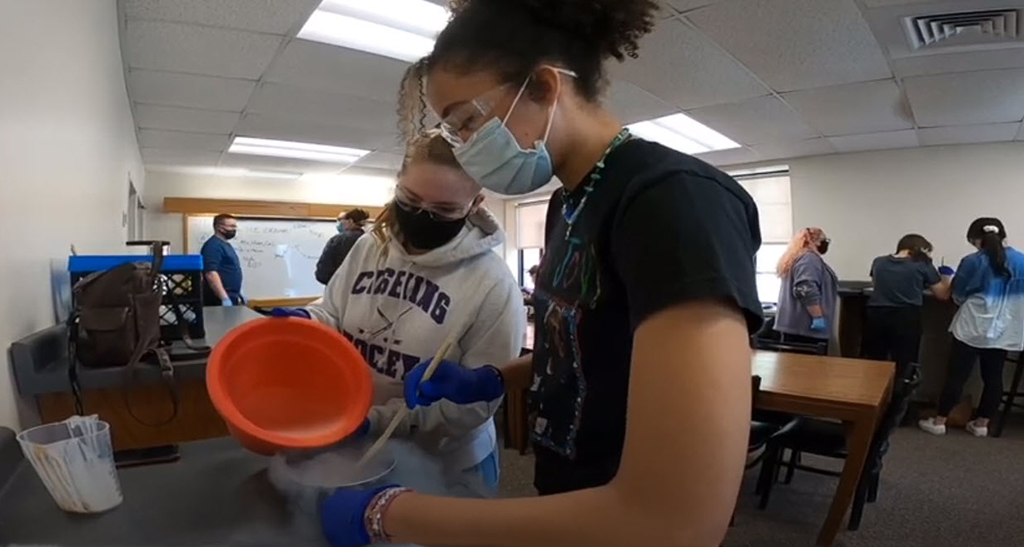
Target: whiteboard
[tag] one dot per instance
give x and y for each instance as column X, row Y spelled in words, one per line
column 278, row 256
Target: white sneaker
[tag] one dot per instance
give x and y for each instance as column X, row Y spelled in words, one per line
column 930, row 426
column 977, row 430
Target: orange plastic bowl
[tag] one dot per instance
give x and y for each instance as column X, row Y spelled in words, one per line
column 288, row 384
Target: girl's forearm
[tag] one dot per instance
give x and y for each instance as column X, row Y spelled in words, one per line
column 587, row 518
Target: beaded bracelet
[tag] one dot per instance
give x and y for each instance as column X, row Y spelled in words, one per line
column 374, row 516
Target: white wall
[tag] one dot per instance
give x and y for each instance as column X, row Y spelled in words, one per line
column 352, row 190
column 865, row 202
column 67, row 149
column 362, row 189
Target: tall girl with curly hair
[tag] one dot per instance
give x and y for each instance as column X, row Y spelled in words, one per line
column 639, row 383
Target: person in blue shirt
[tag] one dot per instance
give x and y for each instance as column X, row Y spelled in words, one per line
column 221, row 268
column 989, row 287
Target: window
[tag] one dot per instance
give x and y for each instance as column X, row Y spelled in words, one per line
column 530, row 219
column 771, row 192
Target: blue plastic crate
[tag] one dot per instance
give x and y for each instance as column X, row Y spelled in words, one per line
column 181, row 276
column 94, row 263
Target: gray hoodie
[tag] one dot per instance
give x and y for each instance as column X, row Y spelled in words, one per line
column 811, row 282
column 399, row 309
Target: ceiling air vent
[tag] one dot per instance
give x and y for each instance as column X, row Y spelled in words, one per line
column 965, row 29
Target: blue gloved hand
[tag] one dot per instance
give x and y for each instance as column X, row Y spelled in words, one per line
column 343, row 516
column 454, row 382
column 818, row 324
column 946, row 270
column 227, row 303
column 290, row 312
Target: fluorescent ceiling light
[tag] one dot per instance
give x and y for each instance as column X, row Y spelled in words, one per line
column 683, row 133
column 400, row 29
column 296, row 150
column 228, row 172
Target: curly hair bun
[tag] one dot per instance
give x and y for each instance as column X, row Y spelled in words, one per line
column 614, row 27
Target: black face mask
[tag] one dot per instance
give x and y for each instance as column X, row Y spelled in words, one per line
column 424, row 233
column 823, row 247
column 229, row 234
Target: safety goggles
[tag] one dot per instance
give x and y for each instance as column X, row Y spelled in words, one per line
column 462, row 122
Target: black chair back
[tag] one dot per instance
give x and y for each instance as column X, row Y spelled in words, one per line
column 902, row 393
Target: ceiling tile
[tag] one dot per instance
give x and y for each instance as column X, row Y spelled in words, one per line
column 687, row 5
column 155, row 138
column 922, row 65
column 288, row 165
column 274, row 16
column 172, row 88
column 300, row 103
column 632, row 104
column 886, row 3
column 796, row 44
column 685, row 69
column 733, row 156
column 179, row 157
column 870, row 107
column 968, row 98
column 968, row 134
column 794, row 149
column 381, row 160
column 338, row 69
column 875, row 141
column 273, row 127
column 756, row 121
column 198, row 50
column 185, row 119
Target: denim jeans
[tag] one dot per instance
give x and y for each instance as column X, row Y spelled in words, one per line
column 478, row 481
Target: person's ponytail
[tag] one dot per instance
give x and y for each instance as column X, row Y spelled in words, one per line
column 992, row 245
column 989, row 234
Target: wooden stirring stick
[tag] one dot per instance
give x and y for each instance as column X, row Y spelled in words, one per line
column 404, row 411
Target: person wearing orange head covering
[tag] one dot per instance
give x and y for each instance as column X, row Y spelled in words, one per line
column 809, row 292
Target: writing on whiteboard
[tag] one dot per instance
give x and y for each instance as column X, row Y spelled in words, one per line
column 278, row 257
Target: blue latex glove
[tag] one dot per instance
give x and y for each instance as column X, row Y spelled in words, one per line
column 818, row 324
column 290, row 312
column 227, row 303
column 454, row 382
column 946, row 270
column 343, row 516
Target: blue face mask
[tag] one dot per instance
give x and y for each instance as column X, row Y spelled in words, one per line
column 494, row 159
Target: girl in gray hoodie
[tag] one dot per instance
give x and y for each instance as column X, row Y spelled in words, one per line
column 426, row 268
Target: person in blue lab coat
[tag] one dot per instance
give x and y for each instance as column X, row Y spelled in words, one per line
column 989, row 287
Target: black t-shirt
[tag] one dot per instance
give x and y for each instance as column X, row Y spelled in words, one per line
column 659, row 228
column 900, row 282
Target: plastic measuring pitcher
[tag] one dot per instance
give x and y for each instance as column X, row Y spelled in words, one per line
column 75, row 461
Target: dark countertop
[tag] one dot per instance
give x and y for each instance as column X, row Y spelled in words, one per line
column 39, row 361
column 216, row 494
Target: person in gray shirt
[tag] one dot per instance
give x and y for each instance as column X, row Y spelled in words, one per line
column 893, row 324
column 809, row 292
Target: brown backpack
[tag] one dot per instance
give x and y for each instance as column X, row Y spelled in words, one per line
column 116, row 323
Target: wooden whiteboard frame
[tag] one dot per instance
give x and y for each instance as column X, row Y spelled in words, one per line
column 269, row 210
column 264, row 210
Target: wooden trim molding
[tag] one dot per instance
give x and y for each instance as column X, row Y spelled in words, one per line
column 281, row 302
column 260, row 209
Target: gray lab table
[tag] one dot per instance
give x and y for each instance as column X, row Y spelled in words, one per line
column 217, row 494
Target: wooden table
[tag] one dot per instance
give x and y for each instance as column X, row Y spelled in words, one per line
column 854, row 391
